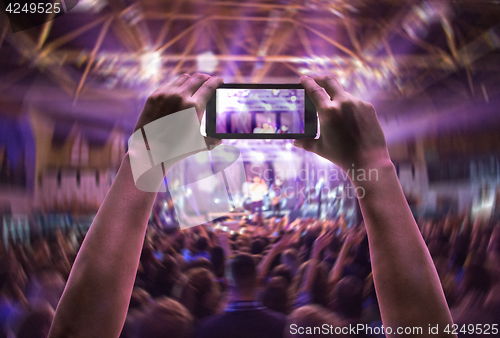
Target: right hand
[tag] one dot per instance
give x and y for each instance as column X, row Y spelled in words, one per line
column 350, row 133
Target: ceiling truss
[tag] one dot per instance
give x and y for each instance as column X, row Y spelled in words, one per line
column 254, row 42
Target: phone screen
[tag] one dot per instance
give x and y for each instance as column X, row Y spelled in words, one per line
column 260, row 111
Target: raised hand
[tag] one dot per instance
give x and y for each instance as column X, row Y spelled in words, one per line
column 350, row 133
column 321, row 243
column 185, row 92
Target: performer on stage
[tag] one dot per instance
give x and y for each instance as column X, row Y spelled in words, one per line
column 277, row 194
column 258, row 189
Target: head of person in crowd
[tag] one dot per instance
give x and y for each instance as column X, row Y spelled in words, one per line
column 200, row 293
column 257, row 247
column 439, row 254
column 241, row 245
column 147, row 258
column 291, row 260
column 308, row 320
column 320, row 285
column 42, row 258
column 244, row 276
column 178, row 242
column 166, row 318
column 201, row 244
column 5, row 274
column 46, row 286
column 475, row 285
column 199, row 262
column 284, row 272
column 334, row 247
column 37, row 323
column 347, row 298
column 460, row 248
column 167, row 275
column 306, row 245
column 275, row 295
column 493, row 253
column 218, row 259
column 139, row 298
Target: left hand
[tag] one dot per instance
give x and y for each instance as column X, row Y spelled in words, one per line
column 185, row 92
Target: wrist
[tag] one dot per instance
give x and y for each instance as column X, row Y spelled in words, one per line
column 371, row 159
column 370, row 168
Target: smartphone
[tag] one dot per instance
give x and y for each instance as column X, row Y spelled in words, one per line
column 261, row 111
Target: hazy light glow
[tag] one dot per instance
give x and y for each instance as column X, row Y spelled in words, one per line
column 259, row 157
column 151, row 63
column 207, row 62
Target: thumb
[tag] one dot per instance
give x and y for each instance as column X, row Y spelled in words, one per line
column 308, row 144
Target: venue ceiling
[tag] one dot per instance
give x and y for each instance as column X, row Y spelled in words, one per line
column 100, row 60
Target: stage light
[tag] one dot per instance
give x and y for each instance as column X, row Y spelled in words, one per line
column 288, row 146
column 94, row 6
column 216, row 201
column 293, row 98
column 268, row 106
column 207, row 62
column 150, row 65
column 258, row 156
column 304, row 71
column 287, row 155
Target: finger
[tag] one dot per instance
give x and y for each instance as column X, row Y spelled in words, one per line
column 308, row 144
column 317, row 94
column 168, row 87
column 207, row 89
column 332, row 86
column 193, row 83
column 180, row 80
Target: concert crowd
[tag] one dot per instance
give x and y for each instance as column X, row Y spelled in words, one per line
column 185, row 280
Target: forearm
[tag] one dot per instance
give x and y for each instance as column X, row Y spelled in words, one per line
column 101, row 281
column 338, row 268
column 265, row 264
column 311, row 274
column 405, row 278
